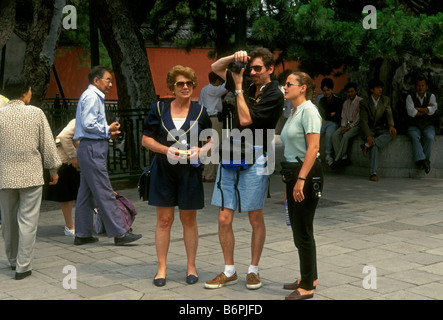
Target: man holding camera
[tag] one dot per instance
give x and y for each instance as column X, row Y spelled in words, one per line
column 259, row 104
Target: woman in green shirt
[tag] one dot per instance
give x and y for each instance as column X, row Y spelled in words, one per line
column 301, row 138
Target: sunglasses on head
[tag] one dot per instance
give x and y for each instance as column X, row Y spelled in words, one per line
column 181, row 84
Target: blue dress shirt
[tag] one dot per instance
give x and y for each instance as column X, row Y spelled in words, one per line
column 90, row 117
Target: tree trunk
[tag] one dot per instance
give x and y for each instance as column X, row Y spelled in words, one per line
column 122, row 37
column 7, row 21
column 41, row 45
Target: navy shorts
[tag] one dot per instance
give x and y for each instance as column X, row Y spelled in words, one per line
column 176, row 185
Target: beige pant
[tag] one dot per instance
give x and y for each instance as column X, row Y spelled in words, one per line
column 20, row 213
column 210, row 169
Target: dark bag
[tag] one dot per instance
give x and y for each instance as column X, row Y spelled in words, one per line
column 236, row 158
column 289, row 171
column 143, row 182
column 127, row 211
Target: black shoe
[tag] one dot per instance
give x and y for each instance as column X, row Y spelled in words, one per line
column 79, row 241
column 160, row 282
column 427, row 166
column 22, row 275
column 127, row 238
column 420, row 164
column 191, row 279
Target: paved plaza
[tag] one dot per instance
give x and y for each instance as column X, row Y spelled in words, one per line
column 375, row 240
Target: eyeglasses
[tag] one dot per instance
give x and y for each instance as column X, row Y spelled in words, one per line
column 108, row 80
column 288, row 84
column 257, row 68
column 181, row 84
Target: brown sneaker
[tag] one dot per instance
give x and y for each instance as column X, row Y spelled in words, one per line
column 253, row 281
column 220, row 281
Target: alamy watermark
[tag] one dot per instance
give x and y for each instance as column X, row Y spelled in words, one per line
column 370, row 21
column 70, row 20
column 246, row 143
column 70, row 281
column 370, row 281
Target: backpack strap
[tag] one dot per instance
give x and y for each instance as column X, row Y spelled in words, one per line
column 219, row 187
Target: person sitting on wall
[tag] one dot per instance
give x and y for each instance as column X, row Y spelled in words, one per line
column 350, row 118
column 330, row 108
column 376, row 124
column 421, row 108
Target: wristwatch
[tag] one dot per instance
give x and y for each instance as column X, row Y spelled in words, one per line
column 238, row 91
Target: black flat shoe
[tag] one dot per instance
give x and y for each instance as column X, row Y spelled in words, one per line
column 80, row 241
column 191, row 279
column 22, row 275
column 160, row 282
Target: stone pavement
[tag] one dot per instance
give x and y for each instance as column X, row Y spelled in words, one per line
column 375, row 240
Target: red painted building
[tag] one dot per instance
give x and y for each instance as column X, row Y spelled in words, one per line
column 74, row 76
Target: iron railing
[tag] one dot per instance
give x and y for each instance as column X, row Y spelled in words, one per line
column 126, row 156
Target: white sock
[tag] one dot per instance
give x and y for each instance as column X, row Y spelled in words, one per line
column 253, row 269
column 229, row 270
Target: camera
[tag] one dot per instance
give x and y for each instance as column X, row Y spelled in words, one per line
column 236, row 66
column 316, row 187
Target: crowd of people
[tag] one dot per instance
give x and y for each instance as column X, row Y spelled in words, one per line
column 76, row 159
column 372, row 119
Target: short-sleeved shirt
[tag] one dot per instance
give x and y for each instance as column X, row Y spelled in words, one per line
column 265, row 108
column 153, row 126
column 306, row 119
column 176, row 184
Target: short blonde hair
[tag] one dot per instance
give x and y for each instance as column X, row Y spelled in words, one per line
column 183, row 71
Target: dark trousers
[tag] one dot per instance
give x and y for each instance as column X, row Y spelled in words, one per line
column 96, row 190
column 301, row 215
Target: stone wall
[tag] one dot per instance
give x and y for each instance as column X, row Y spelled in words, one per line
column 395, row 160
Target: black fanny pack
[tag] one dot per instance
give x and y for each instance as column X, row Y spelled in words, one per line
column 289, row 171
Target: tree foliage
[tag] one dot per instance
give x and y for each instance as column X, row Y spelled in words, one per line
column 319, row 35
column 322, row 34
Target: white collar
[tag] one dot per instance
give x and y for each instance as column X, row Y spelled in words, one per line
column 96, row 90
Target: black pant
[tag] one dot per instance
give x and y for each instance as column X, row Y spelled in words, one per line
column 301, row 215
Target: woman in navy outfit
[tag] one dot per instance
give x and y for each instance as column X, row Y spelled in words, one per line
column 176, row 176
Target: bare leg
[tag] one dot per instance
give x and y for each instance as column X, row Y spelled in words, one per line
column 165, row 218
column 67, row 213
column 190, row 235
column 226, row 235
column 258, row 235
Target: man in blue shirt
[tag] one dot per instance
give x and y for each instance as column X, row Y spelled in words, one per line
column 94, row 133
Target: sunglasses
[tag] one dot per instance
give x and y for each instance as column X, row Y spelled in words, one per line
column 181, row 84
column 289, row 84
column 256, row 68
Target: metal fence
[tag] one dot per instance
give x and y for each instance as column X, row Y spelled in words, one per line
column 126, row 156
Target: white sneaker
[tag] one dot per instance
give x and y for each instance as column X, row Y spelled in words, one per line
column 68, row 232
